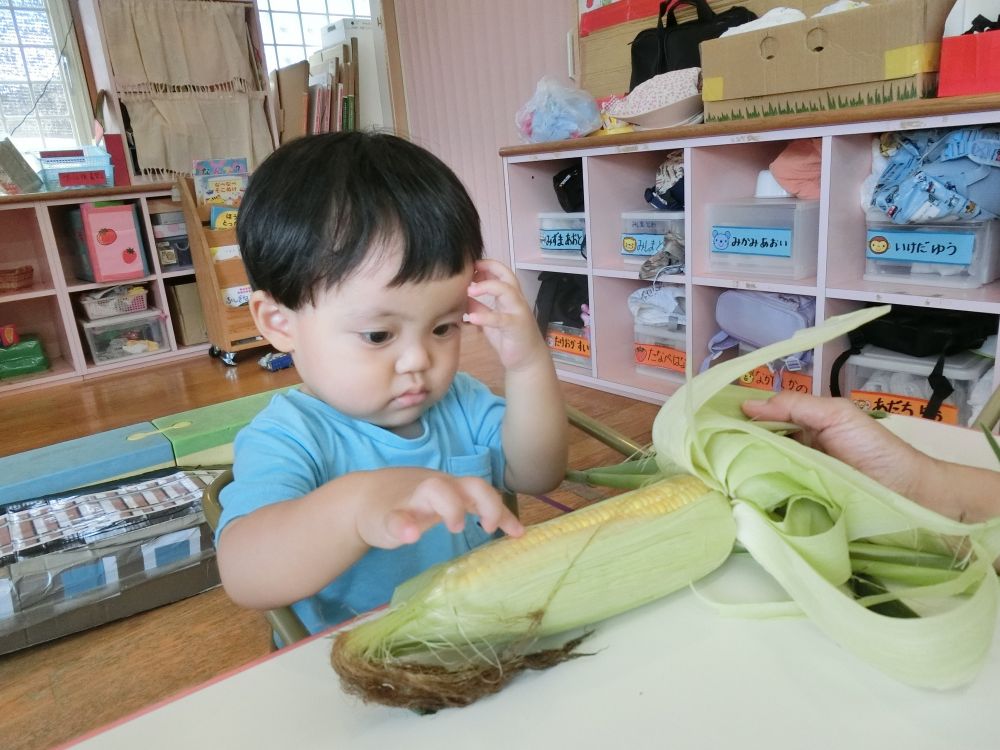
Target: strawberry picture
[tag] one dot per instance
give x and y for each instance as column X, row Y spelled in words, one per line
column 129, row 255
column 640, row 353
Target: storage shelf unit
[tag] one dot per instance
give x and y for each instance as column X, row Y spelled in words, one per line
column 721, row 163
column 35, row 230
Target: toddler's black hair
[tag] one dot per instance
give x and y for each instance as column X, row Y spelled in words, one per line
column 317, row 206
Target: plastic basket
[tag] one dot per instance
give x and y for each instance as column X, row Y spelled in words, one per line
column 115, row 304
column 85, row 167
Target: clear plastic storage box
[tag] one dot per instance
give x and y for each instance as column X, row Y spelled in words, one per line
column 963, row 255
column 881, row 380
column 568, row 344
column 645, row 233
column 124, row 336
column 661, row 351
column 562, row 235
column 767, row 236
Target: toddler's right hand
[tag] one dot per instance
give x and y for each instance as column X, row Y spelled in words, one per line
column 435, row 499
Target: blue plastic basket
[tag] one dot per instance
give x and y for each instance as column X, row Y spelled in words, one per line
column 86, row 167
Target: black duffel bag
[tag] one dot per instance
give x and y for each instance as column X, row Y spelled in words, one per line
column 674, row 46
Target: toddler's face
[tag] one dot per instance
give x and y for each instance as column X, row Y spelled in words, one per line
column 379, row 353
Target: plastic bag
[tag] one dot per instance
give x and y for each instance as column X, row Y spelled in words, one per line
column 557, row 112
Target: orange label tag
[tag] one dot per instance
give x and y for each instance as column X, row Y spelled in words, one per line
column 761, row 378
column 797, row 382
column 568, row 343
column 655, row 355
column 895, row 404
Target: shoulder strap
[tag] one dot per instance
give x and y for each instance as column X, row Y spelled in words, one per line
column 857, row 341
column 941, row 388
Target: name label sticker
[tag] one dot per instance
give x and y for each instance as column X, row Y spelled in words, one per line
column 561, row 240
column 664, row 357
column 893, row 403
column 641, row 244
column 775, row 242
column 568, row 343
column 910, row 246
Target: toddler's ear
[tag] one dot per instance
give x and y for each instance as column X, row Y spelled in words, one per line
column 274, row 320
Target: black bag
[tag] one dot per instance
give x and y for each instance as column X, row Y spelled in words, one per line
column 568, row 184
column 919, row 332
column 560, row 299
column 674, row 46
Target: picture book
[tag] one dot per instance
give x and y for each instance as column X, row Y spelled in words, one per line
column 219, row 166
column 223, row 217
column 16, row 175
column 222, row 189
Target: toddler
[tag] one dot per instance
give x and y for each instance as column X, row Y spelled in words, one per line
column 365, row 256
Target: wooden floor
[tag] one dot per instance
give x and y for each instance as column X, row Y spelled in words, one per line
column 55, row 691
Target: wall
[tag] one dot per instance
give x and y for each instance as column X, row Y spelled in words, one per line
column 467, row 68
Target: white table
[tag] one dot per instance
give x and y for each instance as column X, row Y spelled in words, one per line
column 673, row 674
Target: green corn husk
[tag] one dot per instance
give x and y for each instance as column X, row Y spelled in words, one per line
column 462, row 629
column 816, row 525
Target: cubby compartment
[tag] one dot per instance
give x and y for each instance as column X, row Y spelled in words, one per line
column 110, row 260
column 649, row 354
column 24, row 267
column 616, row 186
column 532, row 184
column 39, row 318
column 768, row 238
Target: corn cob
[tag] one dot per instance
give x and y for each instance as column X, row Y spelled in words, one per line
column 462, row 629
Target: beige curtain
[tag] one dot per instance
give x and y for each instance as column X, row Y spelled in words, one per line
column 192, row 86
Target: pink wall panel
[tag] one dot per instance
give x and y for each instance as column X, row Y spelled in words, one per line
column 468, row 65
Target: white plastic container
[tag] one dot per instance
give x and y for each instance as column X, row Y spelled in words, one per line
column 881, row 380
column 645, row 233
column 123, row 336
column 562, row 235
column 962, row 255
column 765, row 236
column 661, row 351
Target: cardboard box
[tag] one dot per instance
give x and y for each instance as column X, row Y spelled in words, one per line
column 886, row 52
column 970, row 64
column 186, row 312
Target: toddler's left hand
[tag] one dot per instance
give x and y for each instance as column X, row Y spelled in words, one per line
column 509, row 325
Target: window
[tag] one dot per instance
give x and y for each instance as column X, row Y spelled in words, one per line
column 291, row 28
column 43, row 99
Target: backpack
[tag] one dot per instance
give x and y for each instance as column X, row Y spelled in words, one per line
column 561, row 299
column 920, row 332
column 759, row 319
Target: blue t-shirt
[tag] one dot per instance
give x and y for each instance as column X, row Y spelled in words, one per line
column 299, row 443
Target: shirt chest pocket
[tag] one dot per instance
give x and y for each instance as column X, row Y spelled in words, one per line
column 477, row 464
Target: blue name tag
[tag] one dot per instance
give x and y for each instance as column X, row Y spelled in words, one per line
column 561, row 240
column 641, row 244
column 770, row 241
column 915, row 246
